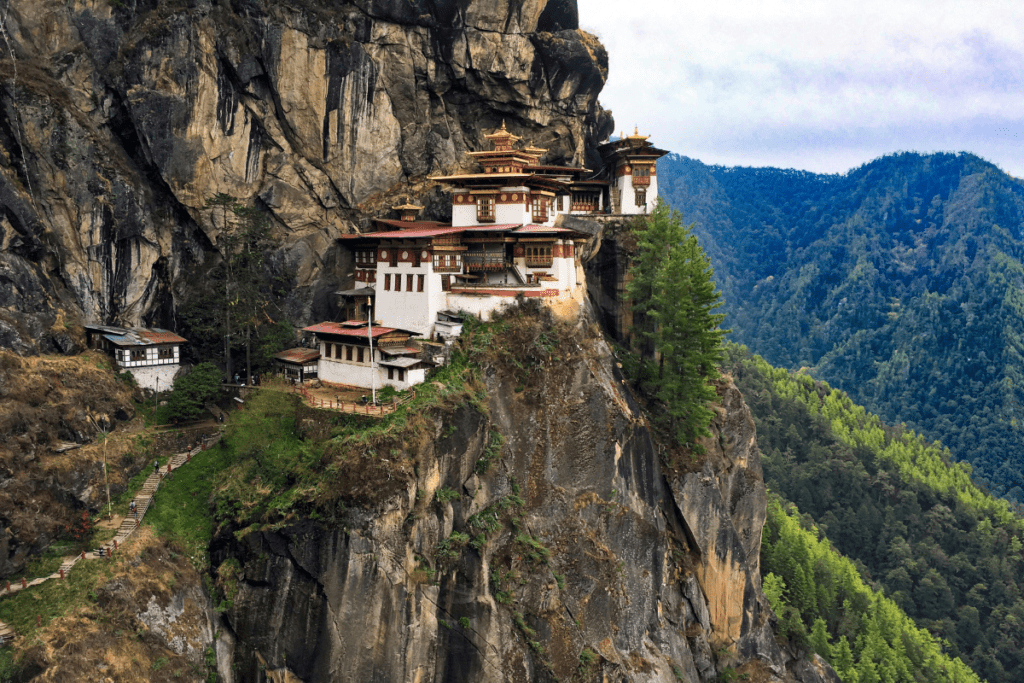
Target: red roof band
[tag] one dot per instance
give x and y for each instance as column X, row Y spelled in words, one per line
column 338, row 329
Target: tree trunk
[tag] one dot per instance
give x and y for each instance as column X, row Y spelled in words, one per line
column 227, row 333
column 248, row 360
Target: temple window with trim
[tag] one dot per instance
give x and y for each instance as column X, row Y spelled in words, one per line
column 540, row 209
column 538, row 256
column 485, row 209
column 641, row 197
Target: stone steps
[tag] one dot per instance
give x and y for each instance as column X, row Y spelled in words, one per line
column 143, row 499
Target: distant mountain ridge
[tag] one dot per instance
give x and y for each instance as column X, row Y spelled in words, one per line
column 900, row 282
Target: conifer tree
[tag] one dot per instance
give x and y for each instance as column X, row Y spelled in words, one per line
column 674, row 297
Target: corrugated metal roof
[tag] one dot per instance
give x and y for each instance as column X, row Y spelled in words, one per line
column 298, row 355
column 137, row 336
column 400, row 362
column 398, row 350
column 159, row 336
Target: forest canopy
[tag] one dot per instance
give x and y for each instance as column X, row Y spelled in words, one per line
column 901, row 282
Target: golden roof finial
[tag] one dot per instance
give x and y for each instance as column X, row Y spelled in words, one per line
column 636, row 130
column 503, row 124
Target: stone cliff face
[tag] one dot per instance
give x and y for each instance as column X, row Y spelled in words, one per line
column 583, row 558
column 120, row 118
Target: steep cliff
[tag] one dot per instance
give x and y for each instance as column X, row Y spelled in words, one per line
column 120, row 118
column 575, row 555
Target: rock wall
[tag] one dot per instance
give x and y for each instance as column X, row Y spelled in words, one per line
column 120, row 118
column 599, row 564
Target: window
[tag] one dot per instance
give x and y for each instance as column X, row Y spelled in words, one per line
column 419, row 283
column 359, row 358
column 447, row 262
column 540, row 209
column 641, row 197
column 166, row 352
column 485, row 209
column 398, row 282
column 408, row 282
column 391, row 373
column 538, row 256
column 641, row 171
column 138, row 354
column 387, row 282
column 348, row 353
column 401, row 375
column 446, row 283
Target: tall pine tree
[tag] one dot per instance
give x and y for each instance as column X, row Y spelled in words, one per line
column 675, row 328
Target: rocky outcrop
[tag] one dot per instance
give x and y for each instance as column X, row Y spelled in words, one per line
column 119, row 119
column 582, row 556
column 148, row 619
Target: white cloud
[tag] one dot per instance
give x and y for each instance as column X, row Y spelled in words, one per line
column 817, row 85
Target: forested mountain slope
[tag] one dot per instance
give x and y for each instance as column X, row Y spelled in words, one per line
column 900, row 282
column 916, row 526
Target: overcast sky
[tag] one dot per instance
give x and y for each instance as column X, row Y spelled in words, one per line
column 823, row 86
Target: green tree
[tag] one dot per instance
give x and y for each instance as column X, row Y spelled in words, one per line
column 235, row 305
column 819, row 639
column 673, row 298
column 192, row 391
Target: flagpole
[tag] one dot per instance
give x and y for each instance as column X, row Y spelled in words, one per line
column 105, row 481
column 369, row 335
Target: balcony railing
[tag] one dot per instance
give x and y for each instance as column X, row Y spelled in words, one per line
column 487, row 261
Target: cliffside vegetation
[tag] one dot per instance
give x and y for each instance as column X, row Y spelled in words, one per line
column 823, row 604
column 900, row 282
column 237, row 299
column 677, row 340
column 914, row 523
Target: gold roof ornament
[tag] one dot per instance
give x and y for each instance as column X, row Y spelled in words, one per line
column 536, row 151
column 503, row 134
column 408, row 206
column 636, row 135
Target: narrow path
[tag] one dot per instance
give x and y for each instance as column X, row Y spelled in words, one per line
column 129, row 524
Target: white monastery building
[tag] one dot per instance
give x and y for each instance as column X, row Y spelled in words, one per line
column 504, row 241
column 152, row 355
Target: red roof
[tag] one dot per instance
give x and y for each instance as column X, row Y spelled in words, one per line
column 539, row 228
column 435, row 232
column 298, row 355
column 410, row 234
column 158, row 336
column 337, row 329
column 484, row 228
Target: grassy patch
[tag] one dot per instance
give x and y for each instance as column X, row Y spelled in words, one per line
column 181, row 508
column 54, row 598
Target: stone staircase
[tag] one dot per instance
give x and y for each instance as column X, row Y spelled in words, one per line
column 143, row 500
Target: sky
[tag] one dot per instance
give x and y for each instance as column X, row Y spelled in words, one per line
column 823, row 86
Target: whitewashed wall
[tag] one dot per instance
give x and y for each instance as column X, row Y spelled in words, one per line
column 155, row 377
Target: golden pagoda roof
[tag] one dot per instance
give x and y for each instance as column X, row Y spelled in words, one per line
column 537, row 151
column 407, row 207
column 636, row 135
column 502, row 133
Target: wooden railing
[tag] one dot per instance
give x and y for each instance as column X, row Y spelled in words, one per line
column 356, row 407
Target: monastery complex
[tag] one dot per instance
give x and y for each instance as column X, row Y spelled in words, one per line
column 413, row 277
